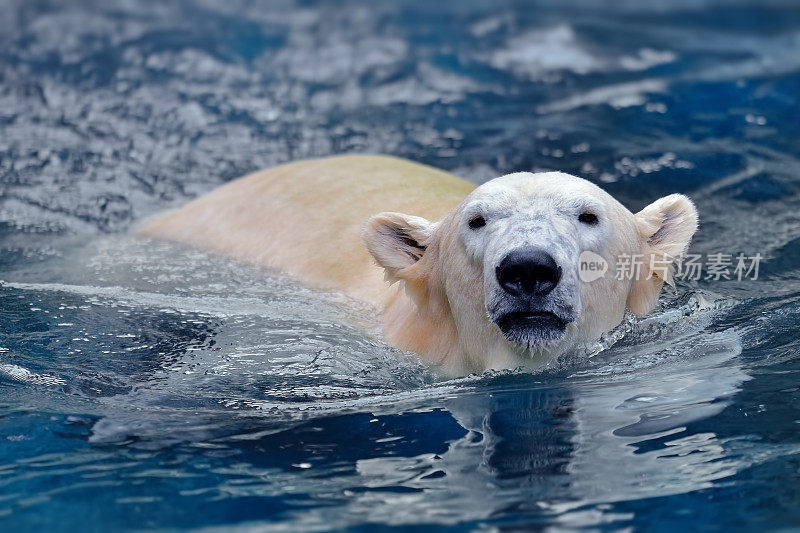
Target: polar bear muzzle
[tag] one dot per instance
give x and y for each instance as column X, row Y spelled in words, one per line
column 528, row 275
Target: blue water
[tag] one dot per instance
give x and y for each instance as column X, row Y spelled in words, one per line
column 147, row 386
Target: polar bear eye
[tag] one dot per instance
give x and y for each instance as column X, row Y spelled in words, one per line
column 588, row 218
column 477, row 222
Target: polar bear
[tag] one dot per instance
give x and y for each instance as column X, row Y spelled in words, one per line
column 477, row 278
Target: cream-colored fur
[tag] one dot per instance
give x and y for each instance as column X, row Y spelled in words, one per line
column 305, row 219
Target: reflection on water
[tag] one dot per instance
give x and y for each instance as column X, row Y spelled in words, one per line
column 149, row 386
column 612, row 435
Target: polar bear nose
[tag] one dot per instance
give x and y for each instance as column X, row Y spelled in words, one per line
column 528, row 271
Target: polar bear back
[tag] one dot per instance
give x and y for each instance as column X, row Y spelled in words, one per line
column 304, row 218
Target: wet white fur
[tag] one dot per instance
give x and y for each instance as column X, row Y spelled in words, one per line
column 453, row 282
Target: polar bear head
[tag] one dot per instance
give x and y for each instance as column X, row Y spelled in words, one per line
column 526, row 267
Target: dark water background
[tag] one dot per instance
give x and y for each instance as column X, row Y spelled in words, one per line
column 143, row 386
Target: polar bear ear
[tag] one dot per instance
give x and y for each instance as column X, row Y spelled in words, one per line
column 396, row 241
column 666, row 228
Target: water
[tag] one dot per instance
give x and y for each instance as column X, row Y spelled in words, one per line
column 148, row 386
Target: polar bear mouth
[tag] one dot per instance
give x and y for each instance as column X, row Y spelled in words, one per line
column 531, row 327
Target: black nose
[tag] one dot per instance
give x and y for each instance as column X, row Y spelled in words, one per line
column 528, row 272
